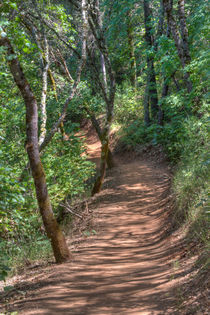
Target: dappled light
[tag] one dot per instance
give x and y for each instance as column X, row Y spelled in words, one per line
column 104, row 162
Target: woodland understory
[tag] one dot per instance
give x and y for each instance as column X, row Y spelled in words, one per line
column 134, row 74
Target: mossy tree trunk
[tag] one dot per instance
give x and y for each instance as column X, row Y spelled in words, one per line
column 104, row 150
column 60, row 248
column 109, row 156
column 102, row 170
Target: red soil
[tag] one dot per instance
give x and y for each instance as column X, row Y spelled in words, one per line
column 125, row 268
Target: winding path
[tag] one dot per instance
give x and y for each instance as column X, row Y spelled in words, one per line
column 124, row 269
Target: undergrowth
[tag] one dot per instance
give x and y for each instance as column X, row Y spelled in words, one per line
column 22, row 237
column 184, row 137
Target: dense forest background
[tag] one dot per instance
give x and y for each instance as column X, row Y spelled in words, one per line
column 139, row 68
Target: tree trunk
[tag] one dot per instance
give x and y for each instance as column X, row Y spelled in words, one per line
column 165, row 86
column 153, row 90
column 131, row 50
column 100, row 178
column 71, row 80
column 45, row 61
column 181, row 44
column 165, row 89
column 184, row 31
column 108, row 96
column 176, row 83
column 146, row 104
column 109, row 157
column 102, row 60
column 103, row 69
column 60, row 249
column 185, row 45
column 57, row 124
column 152, row 86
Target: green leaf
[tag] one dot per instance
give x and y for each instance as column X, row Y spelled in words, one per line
column 11, row 57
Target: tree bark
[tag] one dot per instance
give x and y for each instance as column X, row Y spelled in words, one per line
column 180, row 43
column 109, row 158
column 152, row 86
column 165, row 89
column 185, row 45
column 102, row 170
column 102, row 60
column 104, row 152
column 60, row 248
column 108, row 95
column 65, row 67
column 45, row 62
column 165, row 86
column 153, row 90
column 131, row 50
column 146, row 105
column 57, row 124
column 184, row 31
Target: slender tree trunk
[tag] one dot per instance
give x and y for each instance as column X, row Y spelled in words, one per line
column 160, row 30
column 102, row 60
column 185, row 45
column 104, row 151
column 60, row 249
column 181, row 43
column 131, row 50
column 176, row 83
column 173, row 28
column 165, row 89
column 109, row 157
column 57, row 124
column 165, row 86
column 152, row 86
column 108, row 95
column 103, row 69
column 102, row 170
column 184, row 31
column 153, row 90
column 45, row 58
column 65, row 67
column 61, row 126
column 146, row 104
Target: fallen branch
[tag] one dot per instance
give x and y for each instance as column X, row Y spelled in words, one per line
column 67, row 207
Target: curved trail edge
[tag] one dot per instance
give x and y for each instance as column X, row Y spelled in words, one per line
column 125, row 268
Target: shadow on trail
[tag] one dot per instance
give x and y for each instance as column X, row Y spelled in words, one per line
column 123, row 269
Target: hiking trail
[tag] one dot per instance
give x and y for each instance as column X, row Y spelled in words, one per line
column 125, row 267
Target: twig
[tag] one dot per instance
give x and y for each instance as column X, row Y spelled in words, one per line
column 86, row 206
column 67, row 207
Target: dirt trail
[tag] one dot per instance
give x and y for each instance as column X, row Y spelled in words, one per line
column 124, row 269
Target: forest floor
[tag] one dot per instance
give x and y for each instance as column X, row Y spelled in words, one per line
column 124, row 260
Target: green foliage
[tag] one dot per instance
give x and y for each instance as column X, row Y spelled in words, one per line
column 192, row 176
column 166, row 56
column 67, row 168
column 86, row 99
column 127, row 104
column 184, row 134
column 136, row 133
column 15, row 253
column 4, row 269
